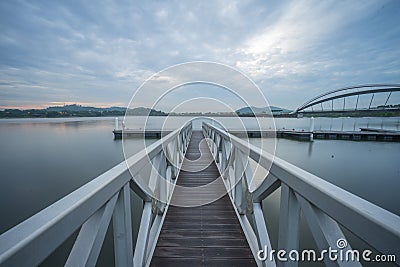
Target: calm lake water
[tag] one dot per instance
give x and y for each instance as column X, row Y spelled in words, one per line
column 43, row 160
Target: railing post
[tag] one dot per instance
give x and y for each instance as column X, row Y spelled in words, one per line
column 326, row 233
column 91, row 208
column 240, row 199
column 173, row 160
column 143, row 235
column 154, row 174
column 184, row 136
column 168, row 179
column 162, row 185
column 262, row 233
column 179, row 151
column 223, row 156
column 90, row 239
column 289, row 216
column 212, row 144
column 231, row 172
column 324, row 205
column 218, row 150
column 122, row 224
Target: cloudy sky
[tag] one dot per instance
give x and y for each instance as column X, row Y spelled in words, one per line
column 99, row 52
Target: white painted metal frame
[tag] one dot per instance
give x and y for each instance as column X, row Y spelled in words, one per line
column 89, row 209
column 324, row 205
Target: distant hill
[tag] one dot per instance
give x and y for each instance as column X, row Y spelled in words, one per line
column 140, row 111
column 75, row 107
column 259, row 111
column 75, row 110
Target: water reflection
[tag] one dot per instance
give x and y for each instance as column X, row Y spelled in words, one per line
column 310, row 145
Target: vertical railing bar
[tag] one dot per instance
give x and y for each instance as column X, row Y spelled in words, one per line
column 168, row 153
column 326, row 232
column 152, row 241
column 300, row 180
column 122, row 224
column 289, row 216
column 154, row 174
column 239, row 190
column 168, row 180
column 90, row 239
column 244, row 222
column 262, row 233
column 162, row 184
column 143, row 235
column 219, row 150
column 250, row 235
column 216, row 152
column 73, row 212
column 212, row 134
column 159, row 218
column 179, row 142
column 223, row 157
column 248, row 173
column 231, row 177
column 174, row 160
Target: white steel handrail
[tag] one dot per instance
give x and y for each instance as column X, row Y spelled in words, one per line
column 323, row 204
column 91, row 207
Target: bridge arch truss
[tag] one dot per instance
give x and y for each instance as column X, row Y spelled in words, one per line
column 328, row 102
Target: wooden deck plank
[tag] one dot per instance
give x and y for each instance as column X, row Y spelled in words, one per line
column 207, row 235
column 198, row 262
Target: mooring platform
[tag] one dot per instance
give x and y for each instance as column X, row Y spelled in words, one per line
column 363, row 135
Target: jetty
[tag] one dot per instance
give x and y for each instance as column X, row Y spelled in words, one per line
column 183, row 224
column 365, row 134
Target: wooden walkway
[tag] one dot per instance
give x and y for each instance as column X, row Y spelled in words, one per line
column 206, row 235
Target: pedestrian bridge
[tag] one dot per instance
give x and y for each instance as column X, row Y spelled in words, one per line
column 361, row 98
column 222, row 225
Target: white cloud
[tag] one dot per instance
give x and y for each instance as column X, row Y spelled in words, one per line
column 279, row 48
column 105, row 53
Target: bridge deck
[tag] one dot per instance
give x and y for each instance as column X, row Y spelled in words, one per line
column 206, row 235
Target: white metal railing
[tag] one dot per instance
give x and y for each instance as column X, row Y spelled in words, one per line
column 90, row 208
column 324, row 205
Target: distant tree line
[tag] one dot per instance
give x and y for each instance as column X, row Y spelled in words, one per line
column 35, row 113
column 77, row 111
